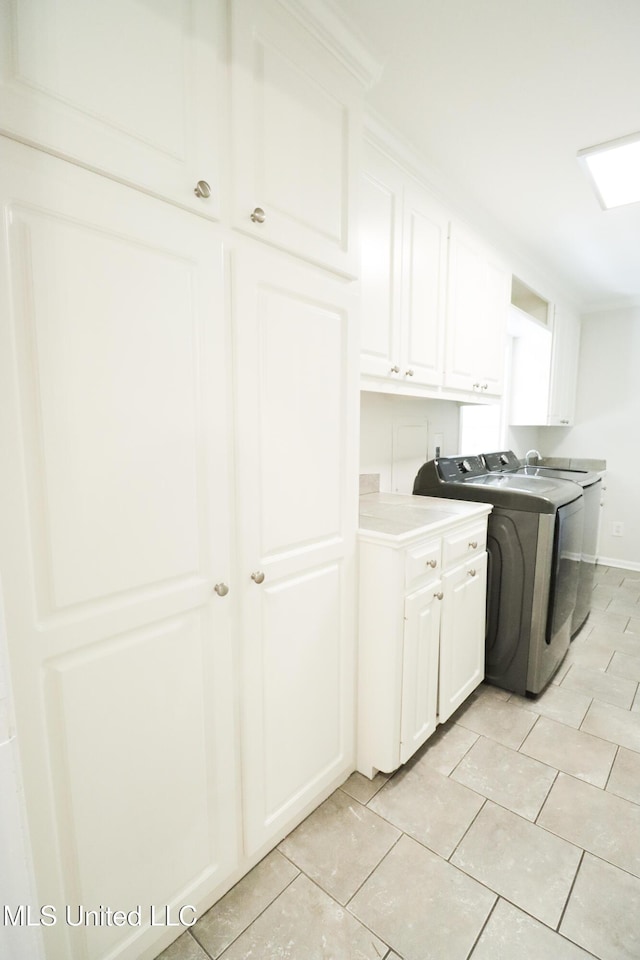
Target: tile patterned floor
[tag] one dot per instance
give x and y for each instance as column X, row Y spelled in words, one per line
column 514, row 833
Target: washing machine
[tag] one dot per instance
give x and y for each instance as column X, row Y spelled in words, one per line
column 534, row 545
column 505, row 461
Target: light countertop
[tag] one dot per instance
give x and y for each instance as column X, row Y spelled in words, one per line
column 399, row 519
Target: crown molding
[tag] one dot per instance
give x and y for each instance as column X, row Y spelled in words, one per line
column 324, row 20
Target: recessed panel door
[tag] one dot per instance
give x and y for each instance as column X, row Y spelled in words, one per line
column 114, row 501
column 296, row 392
column 420, row 668
column 462, row 639
column 294, row 138
column 131, row 89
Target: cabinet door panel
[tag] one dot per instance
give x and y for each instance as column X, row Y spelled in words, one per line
column 293, row 137
column 424, row 279
column 462, row 639
column 380, row 271
column 131, row 90
column 420, row 668
column 114, row 501
column 296, row 394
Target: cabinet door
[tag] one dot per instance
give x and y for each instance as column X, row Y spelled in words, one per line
column 420, row 668
column 131, row 89
column 380, row 222
column 476, row 317
column 295, row 137
column 462, row 634
column 425, row 230
column 114, row 497
column 564, row 369
column 296, row 401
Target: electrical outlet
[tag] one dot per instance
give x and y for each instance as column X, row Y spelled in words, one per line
column 617, row 529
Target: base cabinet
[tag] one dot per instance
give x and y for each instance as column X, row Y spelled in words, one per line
column 422, row 636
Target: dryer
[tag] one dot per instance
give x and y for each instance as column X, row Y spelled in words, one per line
column 534, row 546
column 505, row 461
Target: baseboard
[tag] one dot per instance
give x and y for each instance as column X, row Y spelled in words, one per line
column 623, row 564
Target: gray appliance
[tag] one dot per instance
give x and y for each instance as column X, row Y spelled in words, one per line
column 591, row 483
column 534, row 543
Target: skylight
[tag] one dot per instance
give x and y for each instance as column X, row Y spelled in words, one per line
column 614, row 169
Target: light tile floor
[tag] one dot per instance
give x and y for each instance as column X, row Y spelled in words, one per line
column 514, row 833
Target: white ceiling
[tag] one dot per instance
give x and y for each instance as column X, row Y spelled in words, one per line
column 498, row 96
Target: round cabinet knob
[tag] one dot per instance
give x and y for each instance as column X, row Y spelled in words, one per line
column 258, row 215
column 395, row 369
column 485, row 386
column 202, row 189
column 432, row 563
column 439, row 595
column 221, row 589
column 476, row 386
column 409, row 373
column 258, row 576
column 471, row 573
column 473, row 545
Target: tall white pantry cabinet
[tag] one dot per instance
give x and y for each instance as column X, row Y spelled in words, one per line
column 178, row 412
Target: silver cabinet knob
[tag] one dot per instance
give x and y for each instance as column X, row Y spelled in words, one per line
column 439, row 595
column 258, row 215
column 221, row 589
column 409, row 373
column 202, row 189
column 476, row 386
column 473, row 545
column 471, row 573
column 432, row 563
column 395, row 369
column 258, row 576
column 485, row 386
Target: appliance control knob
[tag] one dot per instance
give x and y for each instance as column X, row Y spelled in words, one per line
column 504, row 458
column 465, row 466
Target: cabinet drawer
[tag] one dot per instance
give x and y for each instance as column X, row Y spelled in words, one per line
column 458, row 547
column 422, row 561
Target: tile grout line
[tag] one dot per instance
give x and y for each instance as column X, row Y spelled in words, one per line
column 566, row 903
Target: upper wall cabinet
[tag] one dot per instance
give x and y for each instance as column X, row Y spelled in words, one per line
column 295, row 132
column 564, row 368
column 129, row 89
column 478, row 297
column 403, row 255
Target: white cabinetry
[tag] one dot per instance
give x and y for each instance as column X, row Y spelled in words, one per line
column 478, row 297
column 135, row 92
column 296, row 407
column 295, row 131
column 564, row 369
column 422, row 621
column 544, row 370
column 403, row 251
column 115, row 506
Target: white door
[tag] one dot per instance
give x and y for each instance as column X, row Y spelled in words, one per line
column 294, row 138
column 380, row 223
column 491, row 343
column 114, row 500
column 462, row 634
column 127, row 88
column 466, row 291
column 425, row 235
column 296, row 394
column 420, row 668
